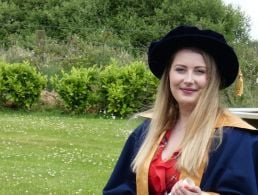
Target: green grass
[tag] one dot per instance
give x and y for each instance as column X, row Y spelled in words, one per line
column 49, row 153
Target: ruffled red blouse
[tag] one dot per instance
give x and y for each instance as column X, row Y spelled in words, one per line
column 162, row 174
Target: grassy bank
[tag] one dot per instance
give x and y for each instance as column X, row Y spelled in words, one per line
column 44, row 153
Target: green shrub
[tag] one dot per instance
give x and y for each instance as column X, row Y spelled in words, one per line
column 115, row 90
column 20, row 84
column 75, row 87
column 128, row 89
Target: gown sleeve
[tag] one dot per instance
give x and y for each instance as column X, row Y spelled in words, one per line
column 233, row 167
column 123, row 180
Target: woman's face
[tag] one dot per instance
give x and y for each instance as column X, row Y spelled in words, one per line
column 188, row 77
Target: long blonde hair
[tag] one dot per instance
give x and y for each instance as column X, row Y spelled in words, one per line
column 200, row 127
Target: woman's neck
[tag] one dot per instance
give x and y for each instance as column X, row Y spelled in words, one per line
column 184, row 113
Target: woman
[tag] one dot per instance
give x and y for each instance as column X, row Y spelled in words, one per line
column 191, row 145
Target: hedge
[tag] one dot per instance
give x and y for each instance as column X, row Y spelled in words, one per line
column 20, row 84
column 114, row 90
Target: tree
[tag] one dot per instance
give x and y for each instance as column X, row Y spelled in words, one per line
column 131, row 23
column 211, row 14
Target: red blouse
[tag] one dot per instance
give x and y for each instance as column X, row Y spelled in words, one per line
column 162, row 174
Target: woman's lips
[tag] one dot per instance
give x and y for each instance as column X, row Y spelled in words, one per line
column 188, row 90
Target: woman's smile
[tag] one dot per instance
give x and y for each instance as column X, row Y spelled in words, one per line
column 188, row 91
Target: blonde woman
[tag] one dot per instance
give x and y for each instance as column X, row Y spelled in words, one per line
column 191, row 145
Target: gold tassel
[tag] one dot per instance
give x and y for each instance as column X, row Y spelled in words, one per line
column 239, row 84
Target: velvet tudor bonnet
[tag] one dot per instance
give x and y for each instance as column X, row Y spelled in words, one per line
column 211, row 42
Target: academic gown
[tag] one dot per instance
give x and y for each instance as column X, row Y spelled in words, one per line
column 232, row 168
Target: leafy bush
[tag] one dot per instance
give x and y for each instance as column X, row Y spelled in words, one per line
column 75, row 87
column 20, row 84
column 127, row 89
column 115, row 90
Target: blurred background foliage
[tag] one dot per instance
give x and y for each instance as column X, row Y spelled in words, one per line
column 57, row 35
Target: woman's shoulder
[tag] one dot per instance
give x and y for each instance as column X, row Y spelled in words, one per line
column 240, row 132
column 237, row 145
column 230, row 120
column 238, row 137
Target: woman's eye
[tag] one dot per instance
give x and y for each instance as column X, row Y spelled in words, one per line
column 180, row 69
column 200, row 71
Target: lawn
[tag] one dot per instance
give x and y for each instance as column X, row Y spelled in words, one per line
column 46, row 153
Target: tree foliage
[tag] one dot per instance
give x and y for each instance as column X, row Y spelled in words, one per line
column 131, row 24
column 206, row 14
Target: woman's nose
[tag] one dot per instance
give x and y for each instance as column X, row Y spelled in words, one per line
column 189, row 77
